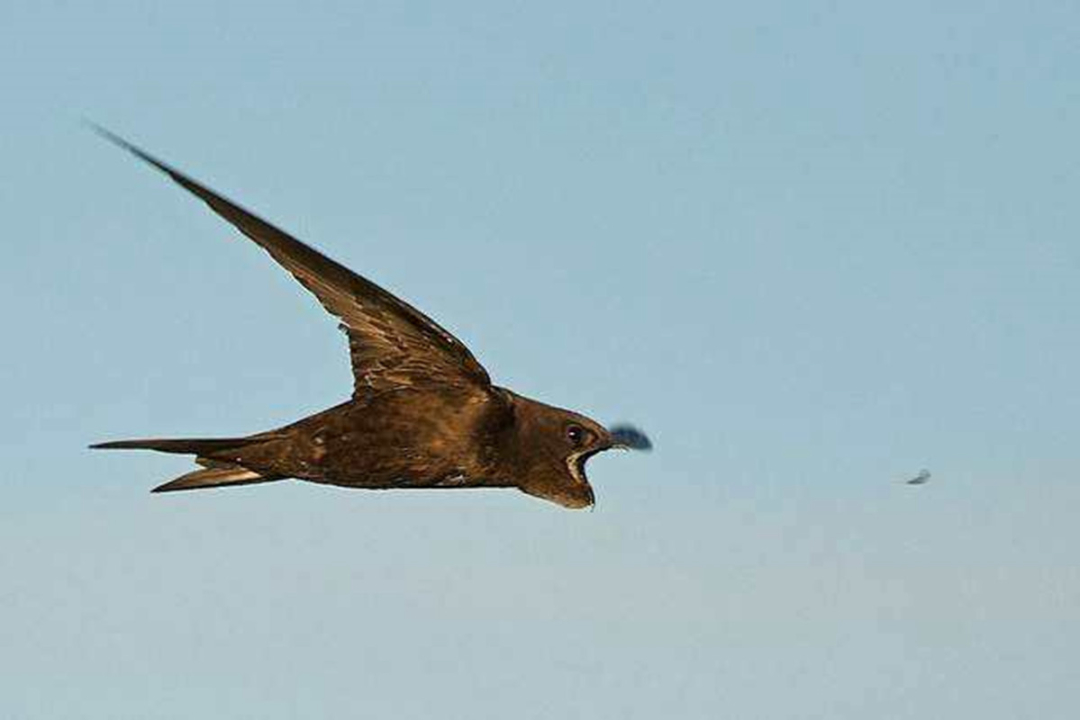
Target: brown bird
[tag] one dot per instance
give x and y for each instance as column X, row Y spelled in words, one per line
column 423, row 412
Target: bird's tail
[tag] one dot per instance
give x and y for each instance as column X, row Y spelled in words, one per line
column 216, row 471
column 215, row 477
column 184, row 446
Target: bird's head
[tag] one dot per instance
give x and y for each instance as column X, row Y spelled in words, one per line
column 552, row 446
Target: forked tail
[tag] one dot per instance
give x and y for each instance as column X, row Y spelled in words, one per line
column 215, row 473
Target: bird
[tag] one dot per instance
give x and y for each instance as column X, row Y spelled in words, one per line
column 423, row 412
column 921, row 479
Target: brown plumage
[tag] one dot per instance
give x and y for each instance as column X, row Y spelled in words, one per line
column 423, row 412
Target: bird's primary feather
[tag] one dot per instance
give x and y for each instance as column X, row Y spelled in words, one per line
column 391, row 343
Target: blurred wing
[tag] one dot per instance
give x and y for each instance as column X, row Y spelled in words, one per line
column 392, row 344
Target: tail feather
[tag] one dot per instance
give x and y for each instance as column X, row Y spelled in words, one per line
column 219, row 458
column 186, row 446
column 215, row 477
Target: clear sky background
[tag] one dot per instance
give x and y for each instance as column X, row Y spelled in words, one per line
column 810, row 249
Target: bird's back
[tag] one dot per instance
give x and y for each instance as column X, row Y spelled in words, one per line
column 392, row 439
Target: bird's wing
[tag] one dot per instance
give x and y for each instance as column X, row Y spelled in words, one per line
column 392, row 344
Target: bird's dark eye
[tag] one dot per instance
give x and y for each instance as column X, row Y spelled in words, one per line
column 575, row 434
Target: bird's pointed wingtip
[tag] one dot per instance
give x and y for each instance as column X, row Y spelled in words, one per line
column 104, row 132
column 107, row 134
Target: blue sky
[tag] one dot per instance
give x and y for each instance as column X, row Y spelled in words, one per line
column 810, row 249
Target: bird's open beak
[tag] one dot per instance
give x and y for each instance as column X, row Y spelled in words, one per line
column 628, row 437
